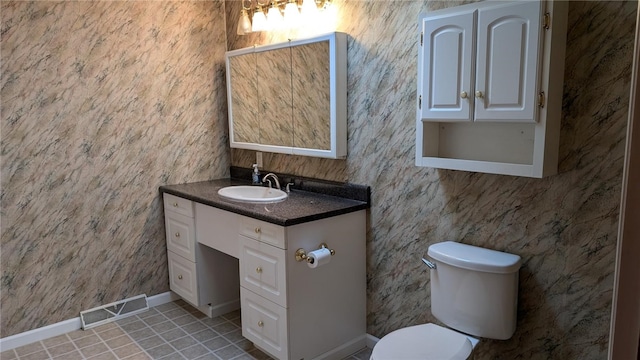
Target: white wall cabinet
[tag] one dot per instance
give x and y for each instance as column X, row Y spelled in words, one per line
column 289, row 310
column 490, row 87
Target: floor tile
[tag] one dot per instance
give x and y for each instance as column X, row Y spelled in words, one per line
column 216, row 343
column 118, row 341
column 56, row 340
column 151, row 342
column 160, row 351
column 38, row 355
column 94, row 350
column 127, row 350
column 194, row 352
column 87, row 341
column 8, row 355
column 60, row 349
column 74, row 355
column 170, row 331
column 228, row 352
column 29, row 349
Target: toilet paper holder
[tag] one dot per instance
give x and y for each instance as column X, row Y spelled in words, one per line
column 301, row 254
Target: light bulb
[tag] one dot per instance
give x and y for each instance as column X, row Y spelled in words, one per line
column 330, row 16
column 244, row 24
column 309, row 8
column 309, row 15
column 291, row 15
column 274, row 18
column 259, row 21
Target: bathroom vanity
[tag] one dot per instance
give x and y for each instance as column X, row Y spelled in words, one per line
column 224, row 255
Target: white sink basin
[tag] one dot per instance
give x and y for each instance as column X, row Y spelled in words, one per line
column 252, row 193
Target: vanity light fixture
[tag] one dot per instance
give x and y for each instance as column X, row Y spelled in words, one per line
column 244, row 24
column 275, row 21
column 259, row 20
column 291, row 15
column 286, row 14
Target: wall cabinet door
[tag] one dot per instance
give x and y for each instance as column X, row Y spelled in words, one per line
column 507, row 62
column 447, row 67
column 481, row 64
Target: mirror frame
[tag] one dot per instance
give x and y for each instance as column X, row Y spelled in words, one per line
column 338, row 97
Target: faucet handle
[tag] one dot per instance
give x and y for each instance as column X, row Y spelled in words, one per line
column 288, row 190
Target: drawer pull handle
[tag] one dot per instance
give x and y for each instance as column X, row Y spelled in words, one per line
column 179, row 277
column 260, row 323
column 257, row 230
column 175, row 204
column 259, row 270
column 177, row 234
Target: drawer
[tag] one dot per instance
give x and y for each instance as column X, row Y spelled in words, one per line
column 264, row 323
column 182, row 278
column 177, row 205
column 262, row 270
column 180, row 234
column 262, row 231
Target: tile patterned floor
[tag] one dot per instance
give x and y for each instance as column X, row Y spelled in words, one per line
column 170, row 331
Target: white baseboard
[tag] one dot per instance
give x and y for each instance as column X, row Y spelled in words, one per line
column 346, row 349
column 63, row 327
column 222, row 309
column 371, row 341
column 163, row 298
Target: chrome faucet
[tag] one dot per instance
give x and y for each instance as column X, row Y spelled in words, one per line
column 275, row 178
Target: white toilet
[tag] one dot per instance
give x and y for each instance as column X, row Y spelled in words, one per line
column 474, row 291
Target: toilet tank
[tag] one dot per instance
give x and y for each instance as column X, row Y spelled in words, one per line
column 475, row 290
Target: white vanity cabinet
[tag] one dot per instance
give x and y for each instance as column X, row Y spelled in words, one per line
column 490, row 79
column 292, row 311
column 198, row 273
column 289, row 310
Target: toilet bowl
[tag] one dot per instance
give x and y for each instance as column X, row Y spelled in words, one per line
column 473, row 290
column 424, row 342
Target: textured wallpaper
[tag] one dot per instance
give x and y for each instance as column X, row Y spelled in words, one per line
column 564, row 226
column 102, row 102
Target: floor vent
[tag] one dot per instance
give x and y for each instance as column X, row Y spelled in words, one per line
column 114, row 311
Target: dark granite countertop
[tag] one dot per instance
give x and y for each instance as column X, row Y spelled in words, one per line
column 301, row 206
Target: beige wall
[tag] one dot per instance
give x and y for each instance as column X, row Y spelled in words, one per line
column 564, row 226
column 102, row 102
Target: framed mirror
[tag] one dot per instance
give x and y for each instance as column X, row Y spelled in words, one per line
column 290, row 97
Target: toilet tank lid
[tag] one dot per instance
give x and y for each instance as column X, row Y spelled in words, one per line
column 474, row 258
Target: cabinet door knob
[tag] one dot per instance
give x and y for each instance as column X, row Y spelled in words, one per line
column 177, row 234
column 257, row 230
column 260, row 323
column 175, row 204
column 179, row 277
column 479, row 94
column 463, row 94
column 259, row 270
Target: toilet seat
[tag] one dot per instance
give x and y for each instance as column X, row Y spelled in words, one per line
column 423, row 342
